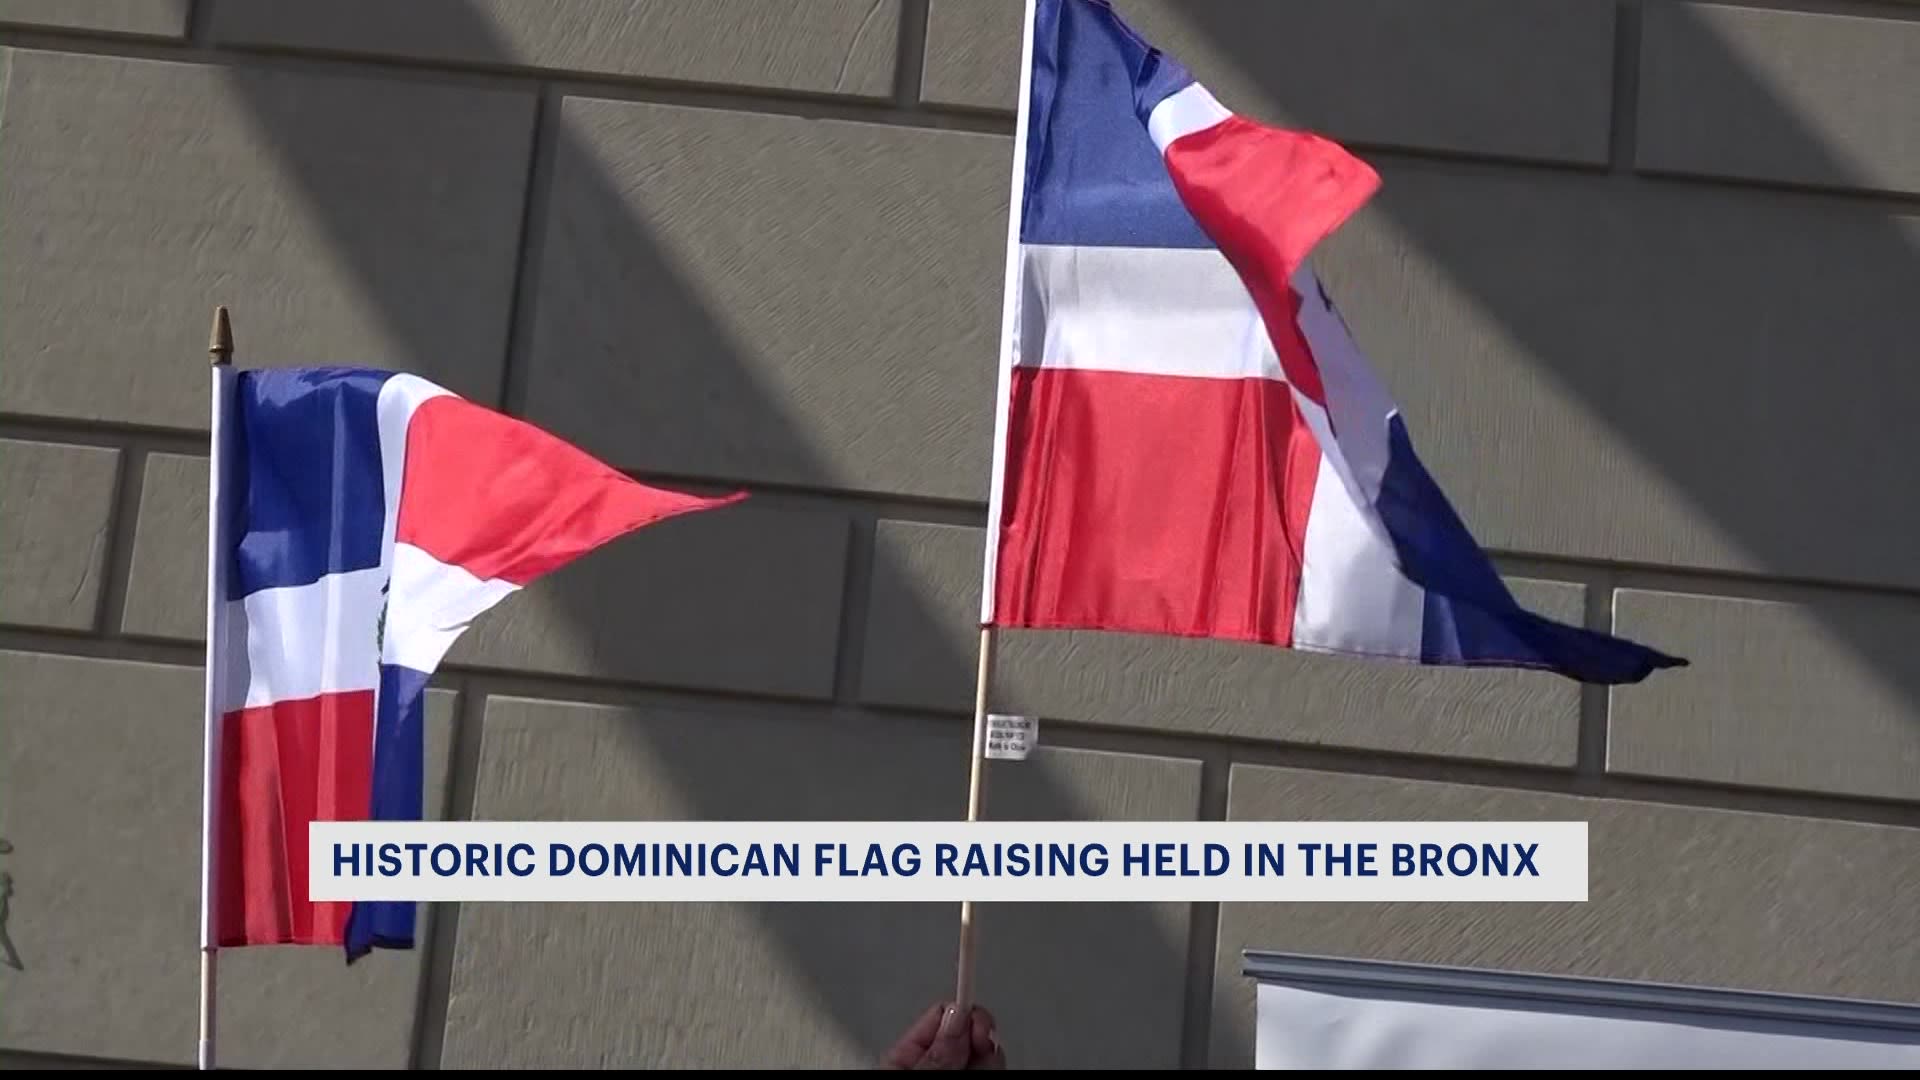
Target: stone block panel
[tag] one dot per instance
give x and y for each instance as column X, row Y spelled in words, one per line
column 1789, row 96
column 1581, row 367
column 167, row 580
column 921, row 652
column 1507, row 78
column 772, row 298
column 842, row 47
column 141, row 18
column 1676, row 895
column 1818, row 694
column 343, row 220
column 973, row 55
column 101, row 808
column 829, row 985
column 57, row 506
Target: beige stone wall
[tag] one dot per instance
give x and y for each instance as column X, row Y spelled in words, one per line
column 1643, row 275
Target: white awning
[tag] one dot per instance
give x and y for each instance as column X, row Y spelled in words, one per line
column 1326, row 1013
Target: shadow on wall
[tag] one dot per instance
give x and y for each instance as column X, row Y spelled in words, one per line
column 665, row 362
column 1755, row 375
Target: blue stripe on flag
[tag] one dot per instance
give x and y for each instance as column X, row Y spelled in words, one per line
column 1470, row 615
column 311, row 493
column 1094, row 177
column 399, row 770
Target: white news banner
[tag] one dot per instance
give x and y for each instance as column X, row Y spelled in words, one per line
column 932, row 861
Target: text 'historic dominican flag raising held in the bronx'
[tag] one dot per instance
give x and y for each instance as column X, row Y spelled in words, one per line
column 1009, row 861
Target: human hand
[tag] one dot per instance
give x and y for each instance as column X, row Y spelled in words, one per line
column 943, row 1038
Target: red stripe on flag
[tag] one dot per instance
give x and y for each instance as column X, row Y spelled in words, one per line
column 1154, row 504
column 283, row 766
column 504, row 499
column 1266, row 197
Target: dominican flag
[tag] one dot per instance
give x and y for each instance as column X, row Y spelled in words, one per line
column 1190, row 442
column 361, row 520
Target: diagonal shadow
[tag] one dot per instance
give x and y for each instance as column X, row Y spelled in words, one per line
column 1729, row 359
column 685, row 374
column 1732, row 361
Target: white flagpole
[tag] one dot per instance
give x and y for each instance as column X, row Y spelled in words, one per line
column 1009, row 342
column 220, row 350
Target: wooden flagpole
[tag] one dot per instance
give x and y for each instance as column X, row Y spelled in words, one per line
column 220, row 352
column 1009, row 329
column 963, row 992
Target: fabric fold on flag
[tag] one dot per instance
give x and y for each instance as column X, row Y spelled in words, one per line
column 1194, row 443
column 366, row 519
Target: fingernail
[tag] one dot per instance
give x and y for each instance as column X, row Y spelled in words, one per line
column 950, row 1021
